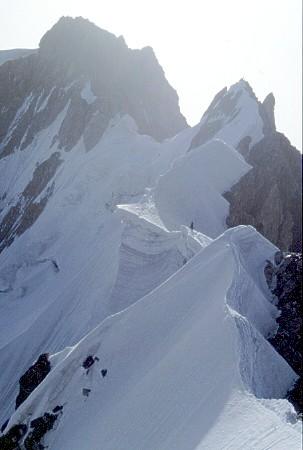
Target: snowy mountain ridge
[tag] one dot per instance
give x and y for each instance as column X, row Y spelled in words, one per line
column 172, row 354
column 114, row 248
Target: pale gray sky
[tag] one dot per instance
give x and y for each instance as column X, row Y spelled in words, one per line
column 203, row 45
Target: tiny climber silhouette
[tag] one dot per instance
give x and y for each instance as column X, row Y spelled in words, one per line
column 192, row 225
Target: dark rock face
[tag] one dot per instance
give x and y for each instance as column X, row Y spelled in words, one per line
column 32, row 378
column 19, row 437
column 39, row 428
column 295, row 396
column 27, row 209
column 284, row 279
column 269, row 196
column 10, row 441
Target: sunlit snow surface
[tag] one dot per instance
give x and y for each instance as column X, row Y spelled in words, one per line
column 177, row 316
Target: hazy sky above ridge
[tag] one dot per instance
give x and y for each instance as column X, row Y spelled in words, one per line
column 202, row 45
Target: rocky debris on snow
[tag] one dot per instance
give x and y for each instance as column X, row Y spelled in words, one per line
column 57, row 408
column 86, row 392
column 104, row 373
column 88, row 362
column 32, row 378
column 284, row 278
column 55, row 265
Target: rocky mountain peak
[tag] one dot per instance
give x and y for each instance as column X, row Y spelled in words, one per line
column 77, row 61
column 268, row 107
column 79, row 41
column 243, row 85
column 231, row 107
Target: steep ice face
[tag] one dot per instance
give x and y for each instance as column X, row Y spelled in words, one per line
column 182, row 366
column 235, row 116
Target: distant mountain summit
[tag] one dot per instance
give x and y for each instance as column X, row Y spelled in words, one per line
column 76, row 58
column 238, row 117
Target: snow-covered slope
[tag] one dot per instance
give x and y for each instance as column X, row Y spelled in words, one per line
column 175, row 379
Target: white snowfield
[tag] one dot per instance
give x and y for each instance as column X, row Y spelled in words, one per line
column 177, row 316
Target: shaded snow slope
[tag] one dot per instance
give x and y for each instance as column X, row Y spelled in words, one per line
column 176, row 378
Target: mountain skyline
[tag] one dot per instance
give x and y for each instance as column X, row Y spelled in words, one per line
column 197, row 59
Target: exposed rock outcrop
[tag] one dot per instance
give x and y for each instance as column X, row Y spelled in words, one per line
column 269, row 196
column 11, row 440
column 20, row 216
column 284, row 279
column 267, row 111
column 32, row 378
column 39, row 427
column 22, row 437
